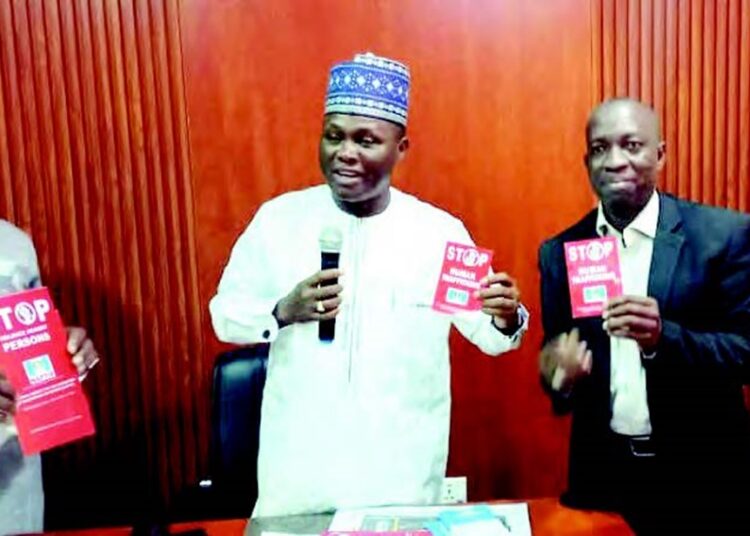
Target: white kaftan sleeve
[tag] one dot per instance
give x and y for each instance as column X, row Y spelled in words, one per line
column 241, row 310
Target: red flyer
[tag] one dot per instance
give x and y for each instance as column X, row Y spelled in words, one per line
column 463, row 267
column 593, row 274
column 51, row 408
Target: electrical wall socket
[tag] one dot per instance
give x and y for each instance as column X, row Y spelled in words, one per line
column 453, row 490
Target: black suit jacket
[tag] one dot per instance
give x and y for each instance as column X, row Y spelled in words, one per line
column 700, row 275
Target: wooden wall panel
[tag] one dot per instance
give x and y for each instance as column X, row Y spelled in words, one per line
column 500, row 94
column 690, row 59
column 138, row 137
column 94, row 164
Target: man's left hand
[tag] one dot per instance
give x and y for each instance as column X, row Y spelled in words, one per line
column 82, row 350
column 634, row 317
column 500, row 298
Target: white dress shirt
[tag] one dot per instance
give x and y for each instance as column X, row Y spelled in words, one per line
column 630, row 413
column 363, row 420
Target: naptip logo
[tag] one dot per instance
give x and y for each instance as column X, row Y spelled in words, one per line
column 467, row 255
column 39, row 369
column 25, row 313
column 473, row 258
column 595, row 251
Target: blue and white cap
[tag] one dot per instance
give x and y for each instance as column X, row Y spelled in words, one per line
column 370, row 85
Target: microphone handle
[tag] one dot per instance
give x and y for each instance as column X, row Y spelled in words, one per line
column 327, row 328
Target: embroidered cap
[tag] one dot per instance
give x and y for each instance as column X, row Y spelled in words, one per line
column 369, row 85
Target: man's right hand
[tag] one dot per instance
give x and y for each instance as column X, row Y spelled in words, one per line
column 564, row 360
column 7, row 398
column 309, row 301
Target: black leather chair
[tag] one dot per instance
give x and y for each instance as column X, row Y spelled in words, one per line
column 237, row 392
column 239, row 377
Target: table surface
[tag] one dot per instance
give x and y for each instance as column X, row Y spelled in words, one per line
column 548, row 518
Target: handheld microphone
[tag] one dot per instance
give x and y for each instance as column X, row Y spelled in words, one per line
column 330, row 249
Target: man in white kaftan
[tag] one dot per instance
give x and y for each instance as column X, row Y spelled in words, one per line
column 362, row 420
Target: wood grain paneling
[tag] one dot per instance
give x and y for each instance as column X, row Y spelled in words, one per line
column 690, row 59
column 94, row 164
column 138, row 137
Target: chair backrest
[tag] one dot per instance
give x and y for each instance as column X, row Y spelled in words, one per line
column 239, row 377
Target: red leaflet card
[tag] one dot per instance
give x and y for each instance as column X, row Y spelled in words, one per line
column 51, row 408
column 463, row 267
column 593, row 274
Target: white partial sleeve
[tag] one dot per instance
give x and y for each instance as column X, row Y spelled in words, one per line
column 241, row 310
column 19, row 267
column 479, row 329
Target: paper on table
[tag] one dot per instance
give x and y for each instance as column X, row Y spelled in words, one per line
column 514, row 515
column 478, row 520
column 276, row 533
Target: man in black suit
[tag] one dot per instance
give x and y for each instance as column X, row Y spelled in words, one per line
column 660, row 432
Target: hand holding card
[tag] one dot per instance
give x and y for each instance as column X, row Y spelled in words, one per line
column 594, row 274
column 500, row 299
column 50, row 407
column 464, row 266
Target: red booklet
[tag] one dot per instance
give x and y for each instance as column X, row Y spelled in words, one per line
column 463, row 267
column 51, row 408
column 593, row 274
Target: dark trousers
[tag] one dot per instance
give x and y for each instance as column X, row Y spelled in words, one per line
column 657, row 496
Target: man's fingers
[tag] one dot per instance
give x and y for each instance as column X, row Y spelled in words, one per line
column 631, row 308
column 571, row 342
column 324, row 308
column 500, row 278
column 571, row 351
column 587, row 361
column 628, row 298
column 6, row 389
column 7, row 396
column 328, row 315
column 6, row 405
column 547, row 359
column 85, row 357
column 76, row 337
column 320, row 293
column 567, row 354
column 80, row 363
column 501, row 303
column 488, row 293
column 581, row 351
column 331, row 303
column 327, row 292
column 559, row 346
column 323, row 275
column 631, row 324
column 574, row 354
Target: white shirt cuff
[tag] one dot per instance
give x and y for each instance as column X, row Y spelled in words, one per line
column 523, row 323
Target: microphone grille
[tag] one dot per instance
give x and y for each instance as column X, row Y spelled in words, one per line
column 330, row 239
